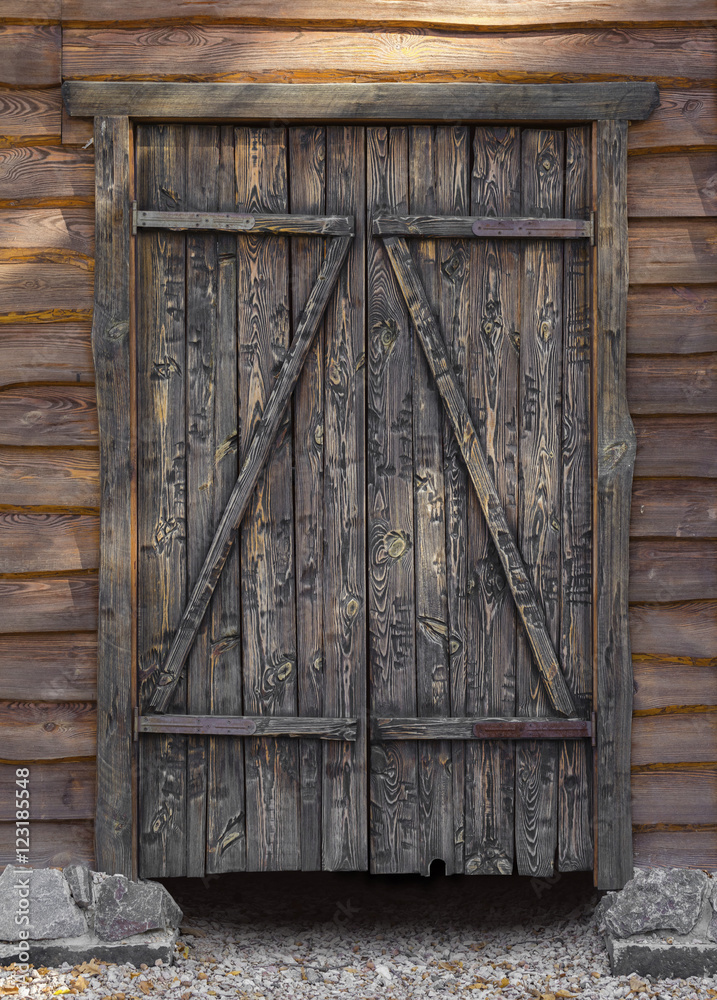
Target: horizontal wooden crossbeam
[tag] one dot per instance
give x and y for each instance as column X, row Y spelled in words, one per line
column 480, row 728
column 462, row 226
column 375, row 102
column 248, row 725
column 257, row 222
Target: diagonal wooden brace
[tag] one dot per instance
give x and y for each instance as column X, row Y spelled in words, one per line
column 526, row 600
column 256, row 457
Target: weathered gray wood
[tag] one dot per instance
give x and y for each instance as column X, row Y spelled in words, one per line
column 307, row 191
column 226, row 827
column 435, row 783
column 114, row 823
column 452, row 227
column 540, row 451
column 479, row 728
column 255, row 222
column 575, row 820
column 392, row 622
column 296, row 727
column 615, row 458
column 202, row 145
column 521, row 587
column 452, row 194
column 493, row 402
column 161, row 500
column 271, row 767
column 258, row 450
column 344, row 795
column 370, row 101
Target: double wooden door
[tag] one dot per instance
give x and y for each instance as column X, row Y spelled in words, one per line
column 395, row 662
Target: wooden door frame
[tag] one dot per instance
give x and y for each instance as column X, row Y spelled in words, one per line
column 115, row 106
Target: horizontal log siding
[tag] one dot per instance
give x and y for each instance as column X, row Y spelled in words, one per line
column 49, row 488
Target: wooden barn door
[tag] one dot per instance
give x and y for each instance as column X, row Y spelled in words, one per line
column 395, row 658
column 473, row 641
column 280, row 650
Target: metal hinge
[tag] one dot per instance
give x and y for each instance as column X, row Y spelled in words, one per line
column 593, row 728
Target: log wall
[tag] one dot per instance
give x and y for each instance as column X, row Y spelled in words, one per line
column 49, row 495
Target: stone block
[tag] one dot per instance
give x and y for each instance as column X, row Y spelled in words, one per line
column 123, row 908
column 50, row 907
column 656, row 899
column 79, row 879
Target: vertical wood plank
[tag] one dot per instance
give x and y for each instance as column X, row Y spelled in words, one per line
column 161, row 376
column 393, row 795
column 344, row 794
column 435, row 792
column 201, row 317
column 307, row 158
column 267, row 534
column 615, row 461
column 114, row 825
column 452, row 197
column 575, row 838
column 493, row 401
column 539, row 503
column 226, row 828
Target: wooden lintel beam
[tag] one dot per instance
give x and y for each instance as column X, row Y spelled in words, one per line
column 248, row 725
column 461, row 227
column 277, row 224
column 376, row 102
column 480, row 728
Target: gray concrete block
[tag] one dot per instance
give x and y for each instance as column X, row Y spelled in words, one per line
column 133, row 950
column 650, row 955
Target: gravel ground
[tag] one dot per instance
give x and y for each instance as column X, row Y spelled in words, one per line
column 326, row 936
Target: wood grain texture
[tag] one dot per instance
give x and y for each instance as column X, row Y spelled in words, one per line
column 676, row 446
column 48, row 604
column 54, row 845
column 60, row 353
column 679, row 628
column 46, row 175
column 71, row 229
column 162, row 489
column 435, row 785
column 28, row 116
column 673, row 508
column 40, row 543
column 371, row 101
column 50, row 477
column 681, row 796
column 684, row 384
column 307, row 170
column 674, row 569
column 30, row 55
column 540, row 442
column 60, row 666
column 492, row 378
column 48, row 415
column 75, row 131
column 684, row 118
column 653, row 187
column 688, row 848
column 672, row 252
column 677, row 319
column 226, row 819
column 227, row 52
column 271, row 767
column 345, row 792
column 47, row 730
column 655, row 681
column 615, row 462
column 575, row 795
column 41, row 12
column 675, row 736
column 392, row 609
column 403, row 15
column 44, row 293
column 57, row 791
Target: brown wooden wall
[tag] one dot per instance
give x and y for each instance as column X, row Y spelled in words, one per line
column 49, row 493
